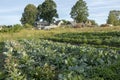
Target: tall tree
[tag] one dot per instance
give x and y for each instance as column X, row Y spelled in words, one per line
column 79, row 11
column 39, row 8
column 114, row 18
column 47, row 11
column 30, row 14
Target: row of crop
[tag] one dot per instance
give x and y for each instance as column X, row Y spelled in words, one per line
column 46, row 60
column 89, row 38
column 115, row 42
column 90, row 34
column 1, row 56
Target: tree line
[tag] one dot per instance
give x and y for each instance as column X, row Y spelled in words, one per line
column 114, row 17
column 47, row 11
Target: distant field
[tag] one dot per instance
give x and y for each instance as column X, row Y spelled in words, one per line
column 47, row 33
column 61, row 54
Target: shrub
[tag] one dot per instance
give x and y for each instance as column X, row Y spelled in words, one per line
column 28, row 26
column 11, row 29
column 16, row 28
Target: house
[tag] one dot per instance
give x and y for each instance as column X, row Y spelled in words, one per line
column 88, row 23
column 54, row 25
column 59, row 22
column 45, row 25
column 41, row 25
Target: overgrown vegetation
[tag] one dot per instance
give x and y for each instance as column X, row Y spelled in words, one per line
column 11, row 29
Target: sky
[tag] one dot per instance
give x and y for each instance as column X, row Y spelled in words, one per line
column 11, row 10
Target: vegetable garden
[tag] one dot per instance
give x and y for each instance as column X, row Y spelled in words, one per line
column 94, row 38
column 65, row 56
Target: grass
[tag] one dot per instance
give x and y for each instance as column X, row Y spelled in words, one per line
column 30, row 34
column 23, row 34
